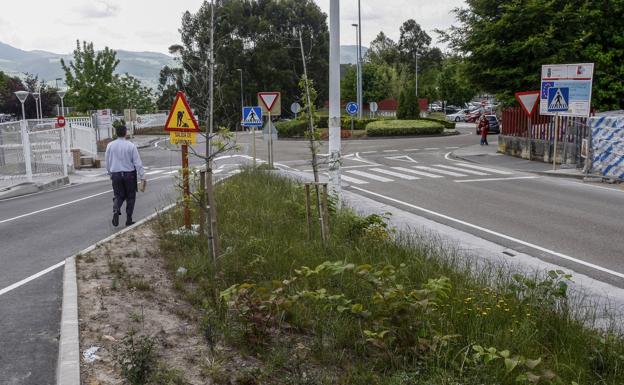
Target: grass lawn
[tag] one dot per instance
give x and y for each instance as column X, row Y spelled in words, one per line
column 375, row 307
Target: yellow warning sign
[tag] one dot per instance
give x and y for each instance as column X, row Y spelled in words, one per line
column 180, row 137
column 181, row 117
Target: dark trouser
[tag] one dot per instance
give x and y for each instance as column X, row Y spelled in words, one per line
column 125, row 189
column 484, row 140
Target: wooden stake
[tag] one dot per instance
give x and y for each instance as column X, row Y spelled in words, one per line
column 326, row 210
column 187, row 187
column 308, row 211
column 202, row 202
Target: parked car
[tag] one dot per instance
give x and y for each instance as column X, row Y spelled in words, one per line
column 494, row 125
column 435, row 107
column 473, row 116
column 459, row 116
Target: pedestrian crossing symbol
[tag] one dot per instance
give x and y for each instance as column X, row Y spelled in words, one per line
column 558, row 99
column 252, row 117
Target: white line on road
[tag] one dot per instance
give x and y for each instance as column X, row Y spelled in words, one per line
column 432, row 148
column 392, row 173
column 390, row 150
column 412, row 149
column 352, row 180
column 154, row 172
column 369, row 152
column 471, row 172
column 32, row 277
column 443, row 172
column 495, row 233
column 421, row 173
column 495, row 179
column 370, row 176
column 451, row 148
column 486, row 169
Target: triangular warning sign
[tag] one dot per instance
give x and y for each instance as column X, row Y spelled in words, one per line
column 528, row 101
column 181, row 117
column 269, row 101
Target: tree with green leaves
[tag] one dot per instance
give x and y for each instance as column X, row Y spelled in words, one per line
column 380, row 81
column 90, row 77
column 453, row 86
column 128, row 92
column 383, row 50
column 9, row 104
column 408, row 108
column 506, row 43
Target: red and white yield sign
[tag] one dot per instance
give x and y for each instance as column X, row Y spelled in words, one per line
column 270, row 102
column 529, row 101
column 60, row 121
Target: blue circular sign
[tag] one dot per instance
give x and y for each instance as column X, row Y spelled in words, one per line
column 352, row 108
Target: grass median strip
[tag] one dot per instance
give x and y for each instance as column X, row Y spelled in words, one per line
column 372, row 306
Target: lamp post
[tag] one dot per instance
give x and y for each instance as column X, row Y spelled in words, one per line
column 22, row 96
column 61, row 94
column 334, row 99
column 240, row 70
column 417, row 74
column 359, row 55
column 358, row 87
column 36, row 96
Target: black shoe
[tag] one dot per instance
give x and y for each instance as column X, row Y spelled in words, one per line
column 115, row 219
column 129, row 221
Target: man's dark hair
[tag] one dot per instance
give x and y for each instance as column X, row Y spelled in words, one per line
column 121, row 131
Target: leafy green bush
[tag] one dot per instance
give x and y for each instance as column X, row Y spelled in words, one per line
column 403, row 128
column 292, row 128
column 448, row 125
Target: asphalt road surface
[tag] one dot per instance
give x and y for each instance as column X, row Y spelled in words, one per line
column 563, row 221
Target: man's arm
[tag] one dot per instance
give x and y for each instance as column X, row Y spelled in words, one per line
column 138, row 165
column 107, row 159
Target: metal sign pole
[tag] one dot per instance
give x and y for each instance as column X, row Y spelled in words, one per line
column 270, row 141
column 556, row 135
column 529, row 136
column 187, row 188
column 253, row 141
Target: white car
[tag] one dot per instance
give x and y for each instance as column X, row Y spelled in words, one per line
column 459, row 116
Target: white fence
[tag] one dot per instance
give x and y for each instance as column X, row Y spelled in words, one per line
column 27, row 149
column 82, row 135
column 151, row 120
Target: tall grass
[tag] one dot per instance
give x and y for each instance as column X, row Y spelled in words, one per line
column 438, row 308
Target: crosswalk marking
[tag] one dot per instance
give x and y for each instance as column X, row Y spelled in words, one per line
column 486, row 169
column 495, row 179
column 370, row 176
column 443, row 172
column 471, row 172
column 392, row 173
column 421, row 173
column 352, row 180
column 172, row 172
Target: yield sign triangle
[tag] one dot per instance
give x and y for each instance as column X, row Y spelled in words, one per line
column 528, row 100
column 269, row 99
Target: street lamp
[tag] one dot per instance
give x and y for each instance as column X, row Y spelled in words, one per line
column 417, row 74
column 359, row 54
column 61, row 94
column 241, row 83
column 22, row 96
column 358, row 87
column 36, row 96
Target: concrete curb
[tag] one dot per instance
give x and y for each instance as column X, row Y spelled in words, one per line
column 68, row 369
column 149, row 144
column 31, row 188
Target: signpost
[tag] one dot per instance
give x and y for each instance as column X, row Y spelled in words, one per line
column 271, row 104
column 373, row 107
column 528, row 101
column 566, row 90
column 352, row 109
column 183, row 129
column 60, row 121
column 252, row 118
column 295, row 108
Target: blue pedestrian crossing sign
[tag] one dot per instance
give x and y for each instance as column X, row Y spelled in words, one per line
column 558, row 99
column 252, row 117
column 352, row 108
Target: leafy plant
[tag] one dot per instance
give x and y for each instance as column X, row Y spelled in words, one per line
column 137, row 358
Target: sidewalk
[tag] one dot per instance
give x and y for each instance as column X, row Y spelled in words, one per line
column 488, row 155
column 145, row 141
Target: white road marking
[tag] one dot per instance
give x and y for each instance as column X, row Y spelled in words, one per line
column 402, row 158
column 432, row 148
column 154, row 172
column 412, row 149
column 471, row 172
column 392, row 173
column 369, row 152
column 352, row 180
column 390, row 150
column 172, row 172
column 32, row 277
column 495, row 179
column 495, row 233
column 443, row 172
column 370, row 176
column 421, row 173
column 358, row 158
column 446, row 156
column 486, row 169
column 451, row 148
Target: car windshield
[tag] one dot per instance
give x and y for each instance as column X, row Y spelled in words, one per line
column 491, row 118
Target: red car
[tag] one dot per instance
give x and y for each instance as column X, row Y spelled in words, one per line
column 473, row 116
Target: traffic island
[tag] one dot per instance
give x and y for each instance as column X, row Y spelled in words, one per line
column 366, row 304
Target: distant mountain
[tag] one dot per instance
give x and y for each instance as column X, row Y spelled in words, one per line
column 348, row 54
column 145, row 66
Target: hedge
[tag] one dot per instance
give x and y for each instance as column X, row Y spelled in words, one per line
column 448, row 125
column 404, row 128
column 292, row 128
column 345, row 122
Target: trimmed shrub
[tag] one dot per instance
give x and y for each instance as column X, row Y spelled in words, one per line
column 448, row 125
column 403, row 128
column 292, row 128
column 408, row 105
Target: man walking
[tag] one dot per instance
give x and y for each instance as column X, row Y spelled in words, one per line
column 123, row 164
column 484, row 127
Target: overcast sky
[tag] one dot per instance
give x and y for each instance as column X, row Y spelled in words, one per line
column 152, row 25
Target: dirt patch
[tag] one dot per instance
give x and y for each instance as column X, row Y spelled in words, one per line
column 124, row 287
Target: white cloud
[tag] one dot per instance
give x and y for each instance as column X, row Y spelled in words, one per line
column 99, row 9
column 152, row 25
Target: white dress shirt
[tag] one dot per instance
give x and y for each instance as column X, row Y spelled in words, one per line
column 123, row 156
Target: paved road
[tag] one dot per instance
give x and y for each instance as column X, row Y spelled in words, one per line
column 554, row 219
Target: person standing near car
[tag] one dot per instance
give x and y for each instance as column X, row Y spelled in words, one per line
column 123, row 164
column 484, row 127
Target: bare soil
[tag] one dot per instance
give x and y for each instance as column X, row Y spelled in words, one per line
column 122, row 287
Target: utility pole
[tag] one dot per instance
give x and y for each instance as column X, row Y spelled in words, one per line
column 358, row 66
column 334, row 99
column 359, row 60
column 416, row 74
